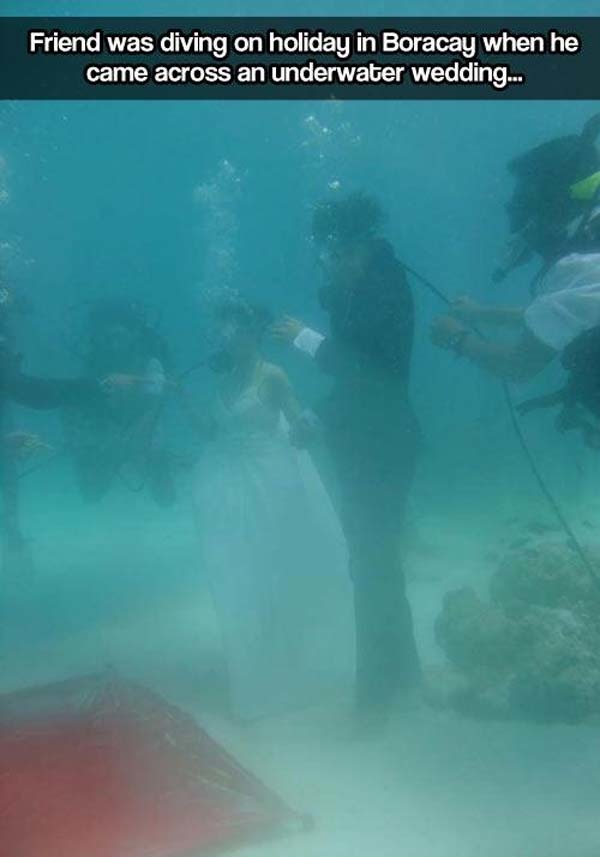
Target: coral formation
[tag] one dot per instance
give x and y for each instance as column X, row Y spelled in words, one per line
column 534, row 651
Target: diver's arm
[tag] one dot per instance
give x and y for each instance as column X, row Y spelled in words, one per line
column 502, row 316
column 303, row 423
column 472, row 312
column 331, row 356
column 49, row 393
column 41, row 393
column 294, row 332
column 281, row 394
column 517, row 362
column 550, row 400
column 152, row 383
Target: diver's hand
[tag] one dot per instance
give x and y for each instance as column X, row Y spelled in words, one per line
column 286, row 329
column 525, row 408
column 467, row 310
column 119, row 381
column 445, row 331
column 22, row 444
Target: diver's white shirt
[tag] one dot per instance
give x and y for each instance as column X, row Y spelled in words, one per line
column 568, row 302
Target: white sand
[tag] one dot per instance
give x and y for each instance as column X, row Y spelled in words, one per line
column 435, row 785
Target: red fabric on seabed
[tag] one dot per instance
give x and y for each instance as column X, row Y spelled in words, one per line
column 100, row 767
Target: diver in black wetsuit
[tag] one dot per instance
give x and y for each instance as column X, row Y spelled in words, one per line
column 118, row 433
column 371, row 433
column 579, row 399
column 31, row 392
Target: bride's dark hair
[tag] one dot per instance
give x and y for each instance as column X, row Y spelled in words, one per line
column 248, row 315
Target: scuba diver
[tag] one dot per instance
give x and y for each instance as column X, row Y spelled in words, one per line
column 116, row 435
column 31, row 392
column 554, row 212
column 371, row 434
column 579, row 398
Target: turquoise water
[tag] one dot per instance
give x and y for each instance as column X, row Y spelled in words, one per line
column 165, row 202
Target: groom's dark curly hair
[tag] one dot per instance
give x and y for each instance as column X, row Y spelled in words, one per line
column 356, row 216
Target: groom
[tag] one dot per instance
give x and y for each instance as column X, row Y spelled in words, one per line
column 371, row 433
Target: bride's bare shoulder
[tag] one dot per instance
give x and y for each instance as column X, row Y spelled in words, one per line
column 273, row 372
column 276, row 382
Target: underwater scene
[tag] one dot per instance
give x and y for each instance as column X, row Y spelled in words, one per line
column 299, row 466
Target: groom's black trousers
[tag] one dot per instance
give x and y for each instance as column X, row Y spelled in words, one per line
column 373, row 471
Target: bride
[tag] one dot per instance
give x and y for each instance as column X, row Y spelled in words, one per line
column 270, row 542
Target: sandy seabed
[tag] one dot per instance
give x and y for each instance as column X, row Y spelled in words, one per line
column 117, row 585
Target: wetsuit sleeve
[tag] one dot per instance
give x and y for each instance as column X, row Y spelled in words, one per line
column 538, row 402
column 49, row 393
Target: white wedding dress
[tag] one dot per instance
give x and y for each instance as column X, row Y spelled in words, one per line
column 275, row 556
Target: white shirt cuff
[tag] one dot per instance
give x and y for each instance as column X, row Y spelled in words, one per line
column 309, row 341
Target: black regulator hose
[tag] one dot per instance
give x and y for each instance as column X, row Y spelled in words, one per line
column 572, row 539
